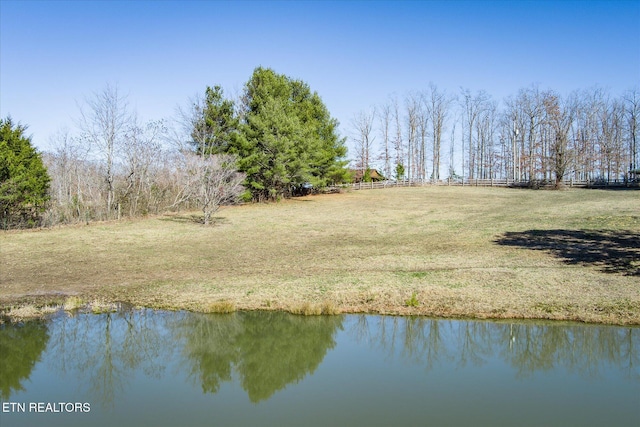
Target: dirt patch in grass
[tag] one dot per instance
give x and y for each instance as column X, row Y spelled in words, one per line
column 442, row 251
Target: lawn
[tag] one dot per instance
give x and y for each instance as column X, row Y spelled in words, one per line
column 438, row 251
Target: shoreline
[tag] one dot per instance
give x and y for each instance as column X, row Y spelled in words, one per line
column 41, row 307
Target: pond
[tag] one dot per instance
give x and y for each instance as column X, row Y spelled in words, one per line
column 144, row 367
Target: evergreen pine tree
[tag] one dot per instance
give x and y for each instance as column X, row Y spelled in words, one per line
column 288, row 140
column 24, row 182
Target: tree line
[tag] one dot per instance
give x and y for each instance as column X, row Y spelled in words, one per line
column 534, row 136
column 275, row 140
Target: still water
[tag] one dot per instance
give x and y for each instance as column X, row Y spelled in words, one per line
column 143, row 368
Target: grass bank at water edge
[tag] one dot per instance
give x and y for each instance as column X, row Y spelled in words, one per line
column 438, row 251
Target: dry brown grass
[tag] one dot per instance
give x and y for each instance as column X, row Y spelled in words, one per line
column 442, row 249
column 29, row 312
column 219, row 307
column 73, row 303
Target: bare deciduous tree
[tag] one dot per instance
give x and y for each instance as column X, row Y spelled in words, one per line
column 207, row 180
column 210, row 181
column 76, row 182
column 559, row 117
column 103, row 122
column 385, row 117
column 398, row 144
column 437, row 104
column 141, row 156
column 471, row 108
column 412, row 105
column 362, row 124
column 632, row 113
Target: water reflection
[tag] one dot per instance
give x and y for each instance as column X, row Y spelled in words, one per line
column 209, row 347
column 20, row 349
column 267, row 350
column 106, row 350
column 273, row 368
column 527, row 347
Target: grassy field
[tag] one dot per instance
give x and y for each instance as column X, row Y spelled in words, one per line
column 439, row 251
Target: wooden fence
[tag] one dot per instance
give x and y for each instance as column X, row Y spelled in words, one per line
column 491, row 183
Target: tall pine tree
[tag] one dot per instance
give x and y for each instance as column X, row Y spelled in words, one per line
column 288, row 139
column 24, row 182
column 217, row 124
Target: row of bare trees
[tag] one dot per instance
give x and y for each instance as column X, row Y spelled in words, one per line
column 409, row 134
column 114, row 165
column 534, row 136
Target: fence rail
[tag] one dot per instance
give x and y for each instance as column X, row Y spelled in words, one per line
column 491, row 183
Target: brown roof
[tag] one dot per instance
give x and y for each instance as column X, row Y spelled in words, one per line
column 359, row 173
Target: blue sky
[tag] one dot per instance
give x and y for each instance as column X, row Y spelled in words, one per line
column 54, row 54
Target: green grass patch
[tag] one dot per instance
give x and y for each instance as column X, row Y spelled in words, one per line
column 413, row 301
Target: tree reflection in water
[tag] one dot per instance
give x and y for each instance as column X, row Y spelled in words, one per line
column 267, row 350
column 527, row 347
column 209, row 347
column 21, row 347
column 105, row 350
column 580, row 349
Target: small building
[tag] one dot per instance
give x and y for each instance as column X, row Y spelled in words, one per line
column 359, row 175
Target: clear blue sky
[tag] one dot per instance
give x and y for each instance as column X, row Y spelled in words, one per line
column 54, row 54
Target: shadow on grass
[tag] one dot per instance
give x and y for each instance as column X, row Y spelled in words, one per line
column 631, row 187
column 613, row 251
column 193, row 219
